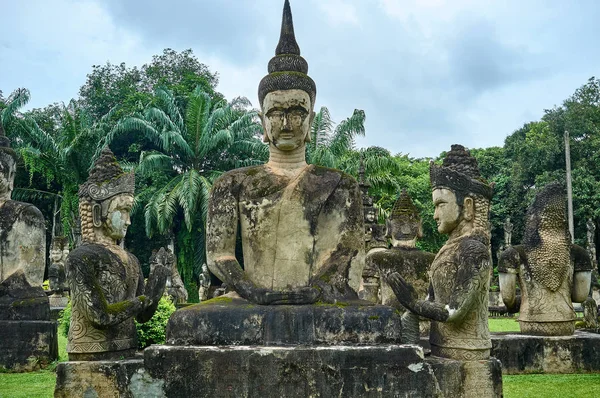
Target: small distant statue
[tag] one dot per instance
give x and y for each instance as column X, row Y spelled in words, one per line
column 508, row 229
column 457, row 303
column 106, row 281
column 175, row 288
column 552, row 272
column 204, row 283
column 404, row 228
column 57, row 278
column 591, row 240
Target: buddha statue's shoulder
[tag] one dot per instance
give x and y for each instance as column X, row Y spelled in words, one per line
column 13, row 210
column 511, row 258
column 90, row 255
column 581, row 258
column 474, row 250
column 341, row 179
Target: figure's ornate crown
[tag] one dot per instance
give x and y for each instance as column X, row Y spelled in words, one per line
column 404, row 207
column 287, row 69
column 459, row 172
column 107, row 179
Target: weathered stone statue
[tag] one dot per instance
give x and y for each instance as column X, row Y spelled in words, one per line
column 301, row 225
column 59, row 250
column 107, row 284
column 591, row 241
column 458, row 293
column 404, row 228
column 175, row 286
column 204, row 283
column 22, row 228
column 508, row 229
column 552, row 272
column 27, row 336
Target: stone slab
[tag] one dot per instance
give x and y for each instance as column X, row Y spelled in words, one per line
column 101, row 379
column 27, row 345
column 325, row 371
column 521, row 354
column 234, row 321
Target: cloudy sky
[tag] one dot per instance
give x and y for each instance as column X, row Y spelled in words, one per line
column 428, row 73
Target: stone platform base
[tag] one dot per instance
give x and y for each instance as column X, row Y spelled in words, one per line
column 519, row 353
column 325, row 371
column 27, row 345
column 102, row 379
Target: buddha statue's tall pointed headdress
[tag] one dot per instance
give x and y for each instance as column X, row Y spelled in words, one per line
column 287, row 69
column 107, row 179
column 5, row 144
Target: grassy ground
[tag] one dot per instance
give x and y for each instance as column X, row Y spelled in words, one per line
column 504, row 325
column 551, row 386
column 41, row 384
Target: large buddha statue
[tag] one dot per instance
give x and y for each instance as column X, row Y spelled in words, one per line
column 22, row 227
column 460, row 273
column 301, row 225
column 106, row 281
column 552, row 272
column 404, row 228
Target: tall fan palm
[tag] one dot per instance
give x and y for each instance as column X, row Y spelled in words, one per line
column 193, row 147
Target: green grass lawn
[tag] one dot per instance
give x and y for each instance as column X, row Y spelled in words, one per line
column 551, row 386
column 504, row 325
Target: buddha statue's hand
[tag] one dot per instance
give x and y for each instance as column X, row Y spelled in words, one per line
column 157, row 280
column 301, row 295
column 404, row 292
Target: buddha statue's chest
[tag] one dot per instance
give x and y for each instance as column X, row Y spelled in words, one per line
column 118, row 279
column 444, row 273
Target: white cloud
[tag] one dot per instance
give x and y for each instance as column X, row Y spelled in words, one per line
column 339, row 12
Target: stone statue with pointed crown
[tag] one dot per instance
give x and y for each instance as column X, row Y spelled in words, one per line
column 403, row 228
column 552, row 272
column 460, row 273
column 301, row 225
column 106, row 281
column 22, row 227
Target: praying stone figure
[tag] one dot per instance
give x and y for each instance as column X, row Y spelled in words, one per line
column 175, row 286
column 57, row 278
column 508, row 228
column 301, row 225
column 457, row 302
column 552, row 272
column 106, row 281
column 204, row 283
column 22, row 227
column 404, row 228
column 591, row 241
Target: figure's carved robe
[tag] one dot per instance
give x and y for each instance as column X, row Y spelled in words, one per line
column 22, row 241
column 292, row 229
column 99, row 278
column 460, row 278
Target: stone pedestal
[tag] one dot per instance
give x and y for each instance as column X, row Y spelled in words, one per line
column 102, row 379
column 521, row 354
column 27, row 345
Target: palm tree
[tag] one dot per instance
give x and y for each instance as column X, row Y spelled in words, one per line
column 61, row 158
column 192, row 148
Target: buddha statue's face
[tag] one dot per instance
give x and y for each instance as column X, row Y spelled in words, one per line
column 448, row 213
column 405, row 228
column 286, row 117
column 117, row 218
column 8, row 169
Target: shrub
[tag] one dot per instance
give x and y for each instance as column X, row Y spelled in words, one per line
column 151, row 332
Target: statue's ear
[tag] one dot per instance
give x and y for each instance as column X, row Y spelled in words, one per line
column 388, row 228
column 97, row 215
column 420, row 230
column 311, row 118
column 261, row 116
column 468, row 209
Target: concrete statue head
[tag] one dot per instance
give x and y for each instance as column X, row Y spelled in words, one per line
column 404, row 223
column 105, row 200
column 287, row 93
column 460, row 196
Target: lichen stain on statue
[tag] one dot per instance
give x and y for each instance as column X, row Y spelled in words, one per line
column 458, row 292
column 404, row 228
column 106, row 281
column 552, row 272
column 301, row 225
